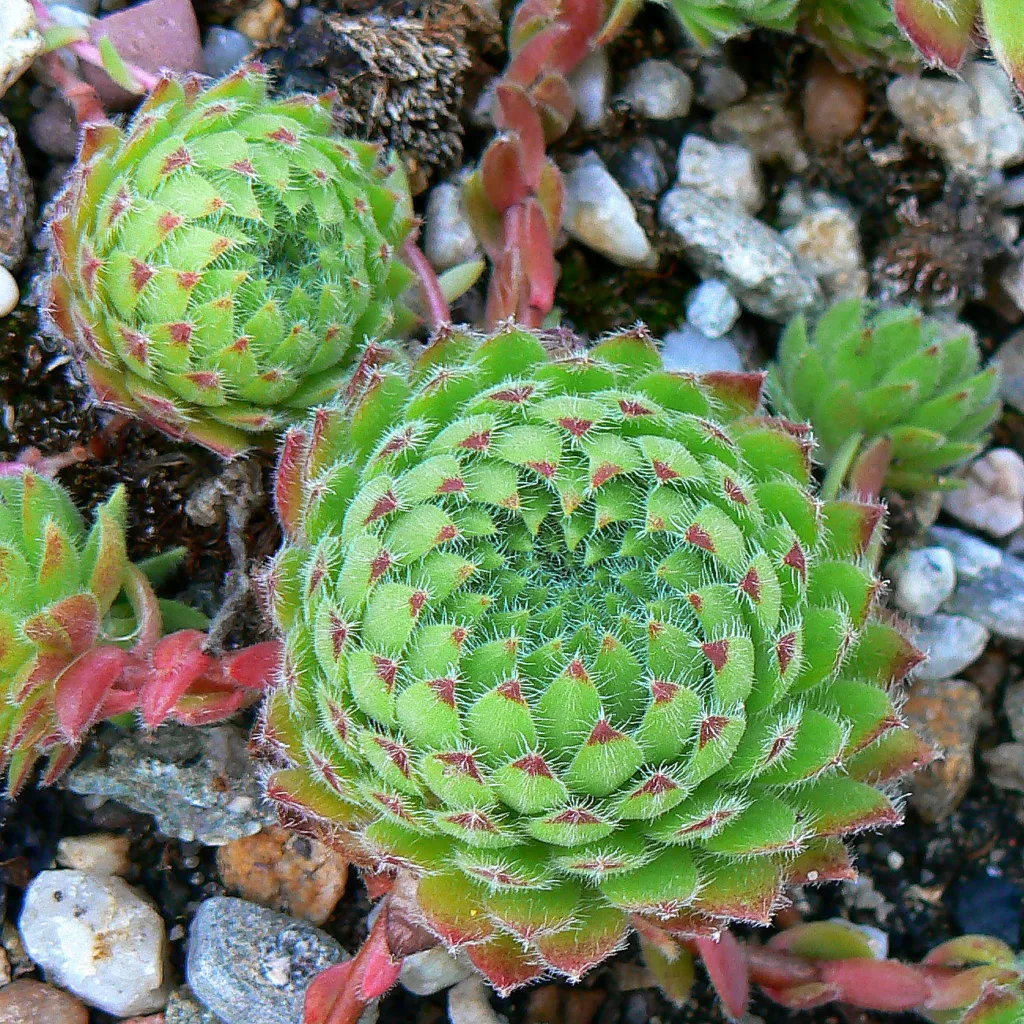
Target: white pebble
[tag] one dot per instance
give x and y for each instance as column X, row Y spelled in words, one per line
column 468, row 1003
column 993, row 496
column 922, row 579
column 691, row 351
column 591, row 85
column 9, row 294
column 721, row 171
column 658, row 90
column 599, row 214
column 447, row 237
column 101, row 853
column 432, row 970
column 99, row 939
column 712, row 308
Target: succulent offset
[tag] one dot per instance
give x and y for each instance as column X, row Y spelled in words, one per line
column 81, row 633
column 216, row 265
column 886, row 391
column 570, row 639
column 855, row 32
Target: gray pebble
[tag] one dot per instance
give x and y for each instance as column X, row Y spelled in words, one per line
column 17, row 203
column 719, row 86
column 712, row 308
column 658, row 90
column 690, row 350
column 1005, row 764
column 994, row 599
column 54, row 129
column 922, row 579
column 198, row 783
column 641, row 169
column 591, row 85
column 433, row 970
column 184, row 1008
column 224, row 50
column 725, row 242
column 249, row 965
column 1013, row 706
column 1010, row 358
column 448, row 238
column 952, row 642
column 971, row 555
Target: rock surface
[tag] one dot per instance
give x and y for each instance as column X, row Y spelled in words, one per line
column 766, row 126
column 17, row 202
column 591, row 85
column 721, row 171
column 1010, row 358
column 184, row 1008
column 658, row 90
column 284, row 871
column 971, row 555
column 599, row 214
column 250, row 965
column 952, row 642
column 9, row 293
column 826, row 238
column 722, row 241
column 199, row 784
column 447, row 237
column 948, row 712
column 96, row 937
column 690, row 350
column 973, row 123
column 993, row 496
column 101, row 853
column 922, row 579
column 224, row 50
column 469, row 1003
column 1005, row 764
column 712, row 308
column 20, row 41
column 994, row 599
column 31, row 1002
column 433, row 970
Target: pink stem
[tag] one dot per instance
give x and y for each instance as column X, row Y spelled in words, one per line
column 90, row 53
column 82, row 97
column 438, row 313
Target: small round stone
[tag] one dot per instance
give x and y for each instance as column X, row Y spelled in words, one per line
column 922, row 579
column 448, row 238
column 101, row 853
column 721, row 171
column 224, row 50
column 712, row 308
column 658, row 90
column 690, row 350
column 31, row 1002
column 993, row 496
column 834, row 105
column 9, row 294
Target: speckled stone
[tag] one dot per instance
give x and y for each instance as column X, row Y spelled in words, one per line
column 31, row 1002
column 249, row 965
column 199, row 784
column 17, row 202
column 184, row 1008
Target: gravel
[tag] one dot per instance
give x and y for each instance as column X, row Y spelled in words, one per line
column 992, row 498
column 712, row 309
column 658, row 90
column 721, row 171
column 952, row 642
column 922, row 579
column 995, row 600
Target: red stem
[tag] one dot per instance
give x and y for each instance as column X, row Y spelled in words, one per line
column 82, row 97
column 438, row 313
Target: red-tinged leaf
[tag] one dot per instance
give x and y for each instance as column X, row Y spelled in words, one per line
column 771, row 968
column 254, row 667
column 81, row 688
column 997, row 1006
column 619, row 19
column 953, row 989
column 652, row 934
column 207, row 708
column 538, row 258
column 885, row 985
column 504, row 963
column 288, row 496
column 802, row 997
column 177, row 663
column 551, row 196
column 740, row 392
column 823, row 940
column 145, row 606
column 483, row 218
column 1003, row 22
column 727, row 970
column 516, row 114
column 528, row 18
column 58, row 762
column 503, row 174
column 868, row 472
column 583, row 17
column 332, row 997
column 555, row 105
column 969, row 951
column 941, row 31
column 378, row 969
column 505, row 288
column 673, row 976
column 534, row 57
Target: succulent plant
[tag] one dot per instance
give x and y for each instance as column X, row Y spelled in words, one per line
column 890, row 394
column 81, row 633
column 855, row 32
column 945, row 31
column 570, row 640
column 216, row 266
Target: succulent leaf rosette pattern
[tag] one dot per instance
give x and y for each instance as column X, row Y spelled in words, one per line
column 571, row 640
column 891, row 391
column 217, row 264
